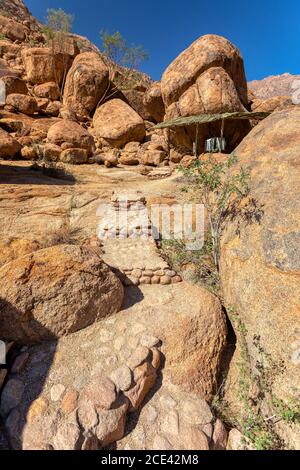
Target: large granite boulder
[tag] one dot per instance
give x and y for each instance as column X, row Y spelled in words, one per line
column 55, row 292
column 206, row 78
column 117, row 123
column 44, row 65
column 71, row 134
column 86, row 84
column 260, row 266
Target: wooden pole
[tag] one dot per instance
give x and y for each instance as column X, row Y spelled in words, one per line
column 196, row 141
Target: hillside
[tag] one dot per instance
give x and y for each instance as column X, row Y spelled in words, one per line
column 277, row 85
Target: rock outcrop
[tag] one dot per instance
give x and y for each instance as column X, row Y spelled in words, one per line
column 54, row 292
column 44, row 65
column 22, row 103
column 154, row 102
column 117, row 123
column 86, row 83
column 9, row 147
column 208, row 77
column 70, row 134
column 271, row 104
column 260, row 265
column 276, row 85
column 13, row 29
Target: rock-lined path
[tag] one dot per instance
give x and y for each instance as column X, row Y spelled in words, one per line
column 84, row 390
column 44, row 402
column 129, row 247
column 175, row 420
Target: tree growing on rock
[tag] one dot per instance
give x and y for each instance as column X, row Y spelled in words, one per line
column 57, row 29
column 128, row 57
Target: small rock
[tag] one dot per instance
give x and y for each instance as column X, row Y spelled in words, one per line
column 37, row 409
column 122, row 378
column 176, row 279
column 111, row 427
column 137, row 273
column 170, row 273
column 101, row 391
column 67, row 437
column 145, row 281
column 220, row 436
column 165, row 280
column 137, row 394
column 237, row 441
column 149, row 341
column 11, row 396
column 69, row 401
column 148, row 273
column 196, row 412
column 156, row 358
column 139, row 356
column 87, row 415
column 155, row 280
column 208, row 431
column 56, row 392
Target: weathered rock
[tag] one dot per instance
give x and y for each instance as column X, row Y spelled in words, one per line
column 154, row 102
column 236, row 441
column 111, row 425
column 129, row 159
column 207, row 51
column 42, row 104
column 274, row 103
column 208, row 77
column 14, row 85
column 135, row 99
column 122, row 378
column 260, row 259
column 74, row 156
column 42, row 65
column 117, row 123
column 51, row 152
column 22, row 103
column 153, row 157
column 13, row 29
column 220, row 436
column 11, row 395
column 71, row 133
column 13, row 248
column 101, row 391
column 86, row 84
column 53, row 108
column 80, row 290
column 48, row 90
column 9, row 147
column 29, row 153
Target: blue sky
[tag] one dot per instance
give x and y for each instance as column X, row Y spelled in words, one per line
column 266, row 31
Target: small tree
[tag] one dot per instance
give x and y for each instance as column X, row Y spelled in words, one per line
column 59, row 21
column 218, row 186
column 130, row 57
column 116, row 48
column 59, row 25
